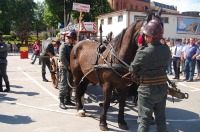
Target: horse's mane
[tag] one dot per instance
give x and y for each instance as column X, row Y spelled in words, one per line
column 116, row 43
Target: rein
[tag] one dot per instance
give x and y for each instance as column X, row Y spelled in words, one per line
column 123, row 64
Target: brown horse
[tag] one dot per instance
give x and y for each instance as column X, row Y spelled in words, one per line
column 106, row 68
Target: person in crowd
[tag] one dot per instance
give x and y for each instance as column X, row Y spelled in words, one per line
column 162, row 41
column 176, row 58
column 152, row 94
column 56, row 47
column 191, row 51
column 169, row 43
column 182, row 69
column 198, row 62
column 34, row 45
column 36, row 51
column 64, row 57
column 3, row 65
column 47, row 52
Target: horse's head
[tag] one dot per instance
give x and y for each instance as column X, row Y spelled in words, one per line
column 125, row 43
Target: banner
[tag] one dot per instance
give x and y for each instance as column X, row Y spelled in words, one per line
column 188, row 25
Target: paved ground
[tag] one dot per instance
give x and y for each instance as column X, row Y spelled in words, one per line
column 32, row 105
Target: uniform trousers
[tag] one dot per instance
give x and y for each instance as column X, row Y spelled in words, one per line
column 152, row 99
column 3, row 72
column 45, row 62
column 64, row 89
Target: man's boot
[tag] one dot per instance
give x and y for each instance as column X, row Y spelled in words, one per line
column 44, row 78
column 7, row 87
column 1, row 86
column 68, row 101
column 62, row 105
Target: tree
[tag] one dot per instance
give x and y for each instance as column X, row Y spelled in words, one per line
column 23, row 17
column 5, row 15
column 38, row 22
column 56, row 7
column 97, row 7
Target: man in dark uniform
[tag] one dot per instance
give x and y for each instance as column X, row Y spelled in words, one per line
column 47, row 50
column 150, row 64
column 3, row 66
column 64, row 58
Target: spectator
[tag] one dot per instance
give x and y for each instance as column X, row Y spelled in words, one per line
column 176, row 58
column 169, row 43
column 36, row 51
column 184, row 43
column 198, row 62
column 190, row 53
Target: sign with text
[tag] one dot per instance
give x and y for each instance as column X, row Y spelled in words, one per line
column 81, row 7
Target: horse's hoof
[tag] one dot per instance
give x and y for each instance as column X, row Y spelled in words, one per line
column 81, row 113
column 103, row 128
column 123, row 126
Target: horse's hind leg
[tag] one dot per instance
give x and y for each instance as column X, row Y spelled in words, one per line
column 121, row 122
column 80, row 91
column 107, row 91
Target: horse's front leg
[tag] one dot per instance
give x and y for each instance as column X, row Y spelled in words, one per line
column 107, row 91
column 121, row 122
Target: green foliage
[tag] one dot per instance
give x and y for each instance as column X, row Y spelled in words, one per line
column 97, row 7
column 23, row 17
column 7, row 37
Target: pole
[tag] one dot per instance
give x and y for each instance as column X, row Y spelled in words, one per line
column 100, row 30
column 65, row 23
column 79, row 25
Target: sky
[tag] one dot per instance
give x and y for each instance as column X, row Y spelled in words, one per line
column 182, row 5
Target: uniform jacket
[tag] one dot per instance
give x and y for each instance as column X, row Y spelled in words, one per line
column 151, row 60
column 47, row 47
column 64, row 54
column 3, row 52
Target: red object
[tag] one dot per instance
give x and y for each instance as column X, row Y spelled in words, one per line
column 24, row 52
column 140, row 39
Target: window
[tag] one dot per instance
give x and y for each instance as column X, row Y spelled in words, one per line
column 102, row 21
column 165, row 19
column 124, row 6
column 136, row 7
column 110, row 20
column 120, row 18
column 117, row 6
column 131, row 7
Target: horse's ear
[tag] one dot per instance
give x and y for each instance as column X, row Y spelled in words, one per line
column 159, row 12
column 149, row 13
column 147, row 10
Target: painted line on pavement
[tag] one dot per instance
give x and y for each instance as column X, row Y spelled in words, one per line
column 39, row 108
column 42, row 87
column 196, row 89
column 92, row 115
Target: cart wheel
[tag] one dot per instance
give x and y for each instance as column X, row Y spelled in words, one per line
column 54, row 72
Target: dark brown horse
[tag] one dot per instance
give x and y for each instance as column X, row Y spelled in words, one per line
column 106, row 68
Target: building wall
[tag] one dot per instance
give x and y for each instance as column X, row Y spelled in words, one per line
column 116, row 27
column 129, row 4
column 170, row 28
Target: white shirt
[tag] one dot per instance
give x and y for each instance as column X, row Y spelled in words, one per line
column 178, row 51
